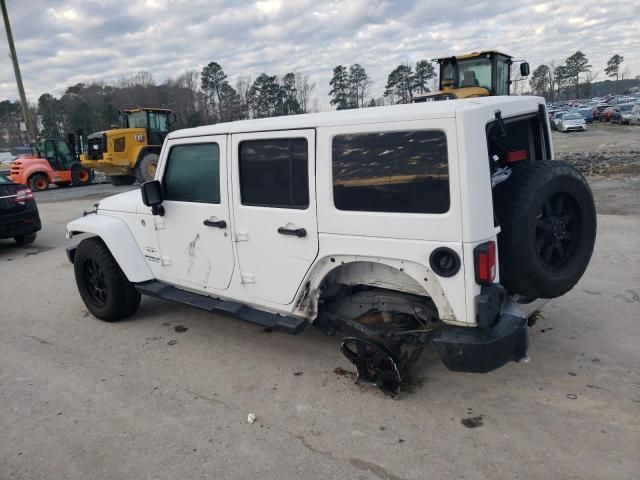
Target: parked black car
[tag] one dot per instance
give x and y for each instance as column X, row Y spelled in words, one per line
column 19, row 218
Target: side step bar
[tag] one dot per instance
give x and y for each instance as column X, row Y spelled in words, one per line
column 282, row 323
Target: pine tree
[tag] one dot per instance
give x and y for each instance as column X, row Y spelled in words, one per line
column 339, row 88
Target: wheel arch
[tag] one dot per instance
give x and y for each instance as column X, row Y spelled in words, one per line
column 116, row 235
column 384, row 273
column 35, row 171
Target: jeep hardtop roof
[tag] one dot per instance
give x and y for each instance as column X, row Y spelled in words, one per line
column 513, row 105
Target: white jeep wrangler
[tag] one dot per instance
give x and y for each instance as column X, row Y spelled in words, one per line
column 446, row 220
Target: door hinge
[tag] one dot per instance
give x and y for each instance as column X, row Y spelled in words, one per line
column 247, row 277
column 242, row 236
column 165, row 261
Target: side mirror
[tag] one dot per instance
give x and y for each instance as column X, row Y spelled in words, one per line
column 152, row 196
column 524, row 69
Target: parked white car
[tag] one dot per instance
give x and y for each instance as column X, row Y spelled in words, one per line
column 446, row 221
column 555, row 119
column 572, row 122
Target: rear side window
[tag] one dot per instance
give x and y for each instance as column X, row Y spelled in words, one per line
column 274, row 173
column 404, row 172
column 193, row 173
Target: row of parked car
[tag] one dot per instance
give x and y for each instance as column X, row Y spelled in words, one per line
column 566, row 117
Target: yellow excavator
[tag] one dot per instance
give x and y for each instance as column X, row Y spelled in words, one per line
column 477, row 74
column 129, row 153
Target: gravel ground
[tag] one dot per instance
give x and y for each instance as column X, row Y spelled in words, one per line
column 603, row 149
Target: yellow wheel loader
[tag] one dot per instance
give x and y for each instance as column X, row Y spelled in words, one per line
column 129, row 153
column 478, row 74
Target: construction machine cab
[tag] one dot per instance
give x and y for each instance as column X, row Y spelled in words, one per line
column 477, row 74
column 155, row 120
column 56, row 151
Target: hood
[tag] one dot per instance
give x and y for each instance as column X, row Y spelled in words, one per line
column 123, row 202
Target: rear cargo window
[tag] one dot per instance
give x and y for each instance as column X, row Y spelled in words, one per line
column 404, row 172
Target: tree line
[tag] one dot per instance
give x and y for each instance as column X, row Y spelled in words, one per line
column 208, row 96
column 572, row 78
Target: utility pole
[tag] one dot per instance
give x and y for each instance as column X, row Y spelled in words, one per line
column 16, row 69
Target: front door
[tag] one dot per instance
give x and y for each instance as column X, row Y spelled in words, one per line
column 194, row 235
column 275, row 211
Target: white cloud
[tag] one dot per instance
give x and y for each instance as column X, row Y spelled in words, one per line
column 61, row 42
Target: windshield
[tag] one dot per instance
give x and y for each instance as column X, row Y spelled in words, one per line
column 475, row 72
column 572, row 116
column 138, row 120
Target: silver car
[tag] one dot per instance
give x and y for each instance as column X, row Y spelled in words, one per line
column 572, row 122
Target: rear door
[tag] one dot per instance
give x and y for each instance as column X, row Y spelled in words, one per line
column 274, row 205
column 194, row 232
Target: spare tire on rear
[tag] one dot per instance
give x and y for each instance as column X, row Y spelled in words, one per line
column 547, row 218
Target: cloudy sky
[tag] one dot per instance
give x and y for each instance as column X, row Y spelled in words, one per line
column 62, row 42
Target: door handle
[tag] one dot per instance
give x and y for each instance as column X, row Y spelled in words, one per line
column 293, row 232
column 213, row 223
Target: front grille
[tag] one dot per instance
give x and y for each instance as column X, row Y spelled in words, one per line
column 96, row 147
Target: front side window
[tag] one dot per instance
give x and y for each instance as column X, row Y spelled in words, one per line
column 502, row 77
column 66, row 157
column 274, row 173
column 193, row 173
column 158, row 122
column 405, row 172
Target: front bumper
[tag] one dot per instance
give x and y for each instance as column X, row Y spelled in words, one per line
column 478, row 350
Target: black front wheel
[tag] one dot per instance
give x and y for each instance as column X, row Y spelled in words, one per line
column 103, row 286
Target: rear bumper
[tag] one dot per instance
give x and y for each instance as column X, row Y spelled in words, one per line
column 478, row 350
column 22, row 223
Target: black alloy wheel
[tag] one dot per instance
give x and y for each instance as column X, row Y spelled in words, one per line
column 557, row 230
column 97, row 289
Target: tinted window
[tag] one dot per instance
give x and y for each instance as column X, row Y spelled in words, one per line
column 193, row 173
column 274, row 173
column 391, row 172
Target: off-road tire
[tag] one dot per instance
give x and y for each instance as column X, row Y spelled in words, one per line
column 121, row 299
column 145, row 170
column 120, row 180
column 80, row 175
column 24, row 239
column 535, row 221
column 38, row 182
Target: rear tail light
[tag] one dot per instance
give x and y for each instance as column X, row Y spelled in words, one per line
column 23, row 195
column 516, row 156
column 485, row 262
